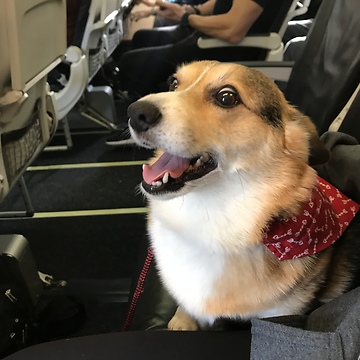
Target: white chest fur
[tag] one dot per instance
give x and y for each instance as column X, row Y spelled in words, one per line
column 192, row 235
column 188, row 271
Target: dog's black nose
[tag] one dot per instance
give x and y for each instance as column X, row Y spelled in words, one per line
column 143, row 114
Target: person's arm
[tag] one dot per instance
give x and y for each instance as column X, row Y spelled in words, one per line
column 149, row 3
column 231, row 27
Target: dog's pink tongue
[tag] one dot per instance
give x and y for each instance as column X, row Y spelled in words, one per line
column 172, row 164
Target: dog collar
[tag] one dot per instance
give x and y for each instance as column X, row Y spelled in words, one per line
column 322, row 221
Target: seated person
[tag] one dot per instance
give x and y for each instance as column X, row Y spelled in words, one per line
column 142, row 69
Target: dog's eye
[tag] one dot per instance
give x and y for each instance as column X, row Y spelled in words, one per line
column 227, row 97
column 173, row 83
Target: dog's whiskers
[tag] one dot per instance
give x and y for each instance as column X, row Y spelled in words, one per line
column 138, row 190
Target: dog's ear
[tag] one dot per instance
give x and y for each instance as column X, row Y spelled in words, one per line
column 316, row 152
column 319, row 153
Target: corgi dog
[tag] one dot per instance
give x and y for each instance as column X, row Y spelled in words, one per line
column 240, row 224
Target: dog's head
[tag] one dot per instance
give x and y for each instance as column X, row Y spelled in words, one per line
column 218, row 119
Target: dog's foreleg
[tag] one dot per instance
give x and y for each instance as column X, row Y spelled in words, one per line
column 182, row 321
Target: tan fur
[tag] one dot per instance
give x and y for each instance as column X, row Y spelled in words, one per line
column 272, row 155
column 236, row 294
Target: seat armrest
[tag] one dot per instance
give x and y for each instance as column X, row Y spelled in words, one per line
column 112, row 16
column 66, row 98
column 276, row 70
column 11, row 97
column 269, row 41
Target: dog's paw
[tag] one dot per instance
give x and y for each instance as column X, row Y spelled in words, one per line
column 181, row 321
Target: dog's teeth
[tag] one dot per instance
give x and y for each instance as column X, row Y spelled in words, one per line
column 143, row 167
column 165, row 178
column 189, row 168
column 205, row 158
column 156, row 183
column 199, row 162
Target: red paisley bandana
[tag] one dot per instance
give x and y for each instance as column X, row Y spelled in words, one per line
column 321, row 222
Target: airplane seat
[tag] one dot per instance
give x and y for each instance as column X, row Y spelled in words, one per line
column 32, row 43
column 99, row 30
column 115, row 31
column 75, row 65
column 103, row 32
column 328, row 71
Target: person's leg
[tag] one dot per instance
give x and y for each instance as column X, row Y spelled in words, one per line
column 141, row 70
column 127, row 59
column 159, row 36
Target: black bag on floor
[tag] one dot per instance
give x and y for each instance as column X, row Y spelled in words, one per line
column 20, row 289
column 32, row 310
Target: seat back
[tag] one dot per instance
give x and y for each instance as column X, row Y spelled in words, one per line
column 33, row 29
column 296, row 9
column 32, row 43
column 274, row 19
column 98, row 31
column 276, row 16
column 103, row 32
column 328, row 70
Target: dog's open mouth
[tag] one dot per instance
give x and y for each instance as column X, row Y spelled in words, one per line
column 170, row 173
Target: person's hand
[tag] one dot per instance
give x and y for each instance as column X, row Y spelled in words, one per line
column 188, row 8
column 140, row 14
column 170, row 11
